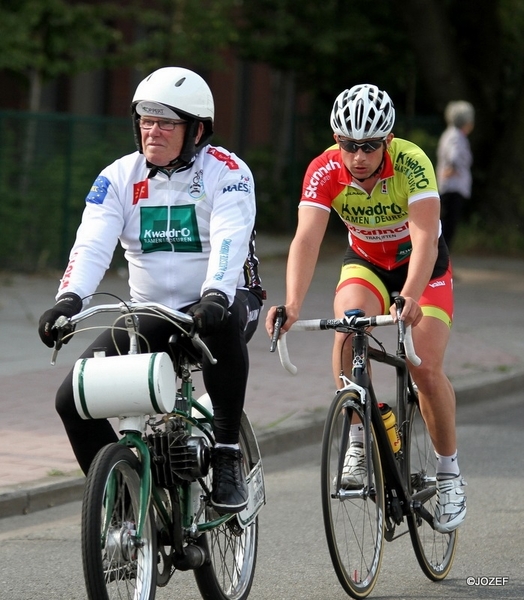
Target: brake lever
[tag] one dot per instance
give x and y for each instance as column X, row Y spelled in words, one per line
column 62, row 324
column 399, row 305
column 198, row 342
column 280, row 319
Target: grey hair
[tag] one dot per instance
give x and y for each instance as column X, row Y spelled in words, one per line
column 459, row 113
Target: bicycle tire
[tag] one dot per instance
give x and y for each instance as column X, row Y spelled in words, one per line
column 435, row 551
column 113, row 566
column 354, row 527
column 229, row 570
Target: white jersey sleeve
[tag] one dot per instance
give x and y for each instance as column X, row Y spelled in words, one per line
column 231, row 223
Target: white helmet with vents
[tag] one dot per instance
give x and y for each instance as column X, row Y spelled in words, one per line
column 176, row 93
column 363, row 112
column 179, row 89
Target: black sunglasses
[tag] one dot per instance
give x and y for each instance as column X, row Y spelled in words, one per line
column 367, row 147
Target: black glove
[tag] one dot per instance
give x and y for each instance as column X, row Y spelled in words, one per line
column 67, row 305
column 210, row 314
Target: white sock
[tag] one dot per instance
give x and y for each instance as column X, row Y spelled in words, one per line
column 447, row 466
column 232, row 446
column 356, row 433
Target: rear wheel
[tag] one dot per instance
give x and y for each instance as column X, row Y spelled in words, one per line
column 231, row 550
column 353, row 519
column 434, row 551
column 116, row 564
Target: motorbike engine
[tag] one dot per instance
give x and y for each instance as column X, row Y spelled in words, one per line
column 177, row 456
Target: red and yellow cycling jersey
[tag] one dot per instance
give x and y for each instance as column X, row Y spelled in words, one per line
column 378, row 227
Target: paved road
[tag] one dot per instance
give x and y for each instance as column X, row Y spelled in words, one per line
column 40, row 552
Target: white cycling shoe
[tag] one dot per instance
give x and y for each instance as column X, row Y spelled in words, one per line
column 450, row 510
column 354, row 470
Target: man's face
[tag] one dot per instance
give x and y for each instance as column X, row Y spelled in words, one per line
column 362, row 157
column 162, row 139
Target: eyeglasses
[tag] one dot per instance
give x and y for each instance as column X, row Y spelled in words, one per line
column 367, row 147
column 163, row 125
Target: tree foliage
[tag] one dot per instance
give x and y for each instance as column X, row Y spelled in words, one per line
column 45, row 39
column 327, row 47
column 479, row 56
column 424, row 52
column 182, row 31
column 53, row 37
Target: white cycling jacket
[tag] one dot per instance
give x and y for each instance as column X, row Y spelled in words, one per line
column 182, row 234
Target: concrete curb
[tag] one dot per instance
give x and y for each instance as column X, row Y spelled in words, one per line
column 497, row 386
column 41, row 494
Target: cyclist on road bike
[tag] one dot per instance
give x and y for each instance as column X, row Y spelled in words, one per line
column 384, row 190
column 183, row 211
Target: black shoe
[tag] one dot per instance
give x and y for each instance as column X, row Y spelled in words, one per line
column 229, row 493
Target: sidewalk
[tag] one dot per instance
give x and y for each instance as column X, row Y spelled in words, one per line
column 37, row 468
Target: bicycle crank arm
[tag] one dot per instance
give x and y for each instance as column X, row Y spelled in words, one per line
column 419, row 508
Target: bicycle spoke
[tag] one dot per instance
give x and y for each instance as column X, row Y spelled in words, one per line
column 115, row 566
column 232, row 552
column 434, row 551
column 354, row 525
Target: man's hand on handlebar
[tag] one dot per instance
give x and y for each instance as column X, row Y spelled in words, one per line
column 274, row 324
column 279, row 319
column 210, row 314
column 67, row 306
column 411, row 313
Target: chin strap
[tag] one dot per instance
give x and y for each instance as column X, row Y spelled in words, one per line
column 187, row 155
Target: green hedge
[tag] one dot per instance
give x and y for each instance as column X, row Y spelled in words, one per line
column 48, row 163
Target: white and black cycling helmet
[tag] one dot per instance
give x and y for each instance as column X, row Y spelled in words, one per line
column 363, row 112
column 176, row 93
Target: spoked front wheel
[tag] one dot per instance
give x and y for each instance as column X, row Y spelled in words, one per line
column 434, row 551
column 232, row 551
column 116, row 564
column 353, row 511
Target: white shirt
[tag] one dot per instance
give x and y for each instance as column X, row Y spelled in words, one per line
column 182, row 234
column 454, row 151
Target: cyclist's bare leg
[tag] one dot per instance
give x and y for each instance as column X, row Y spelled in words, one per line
column 436, row 394
column 430, row 336
column 349, row 297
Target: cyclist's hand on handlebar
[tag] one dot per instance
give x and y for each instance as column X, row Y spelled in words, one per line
column 411, row 313
column 287, row 318
column 279, row 319
column 274, row 321
column 210, row 314
column 67, row 305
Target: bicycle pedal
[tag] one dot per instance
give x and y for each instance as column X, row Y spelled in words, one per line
column 389, row 534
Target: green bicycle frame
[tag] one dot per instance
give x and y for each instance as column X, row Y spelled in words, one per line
column 133, row 439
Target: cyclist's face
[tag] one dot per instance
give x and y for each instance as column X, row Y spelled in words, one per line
column 362, row 160
column 160, row 147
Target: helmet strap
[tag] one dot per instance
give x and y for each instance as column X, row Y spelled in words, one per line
column 187, row 154
column 189, row 148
